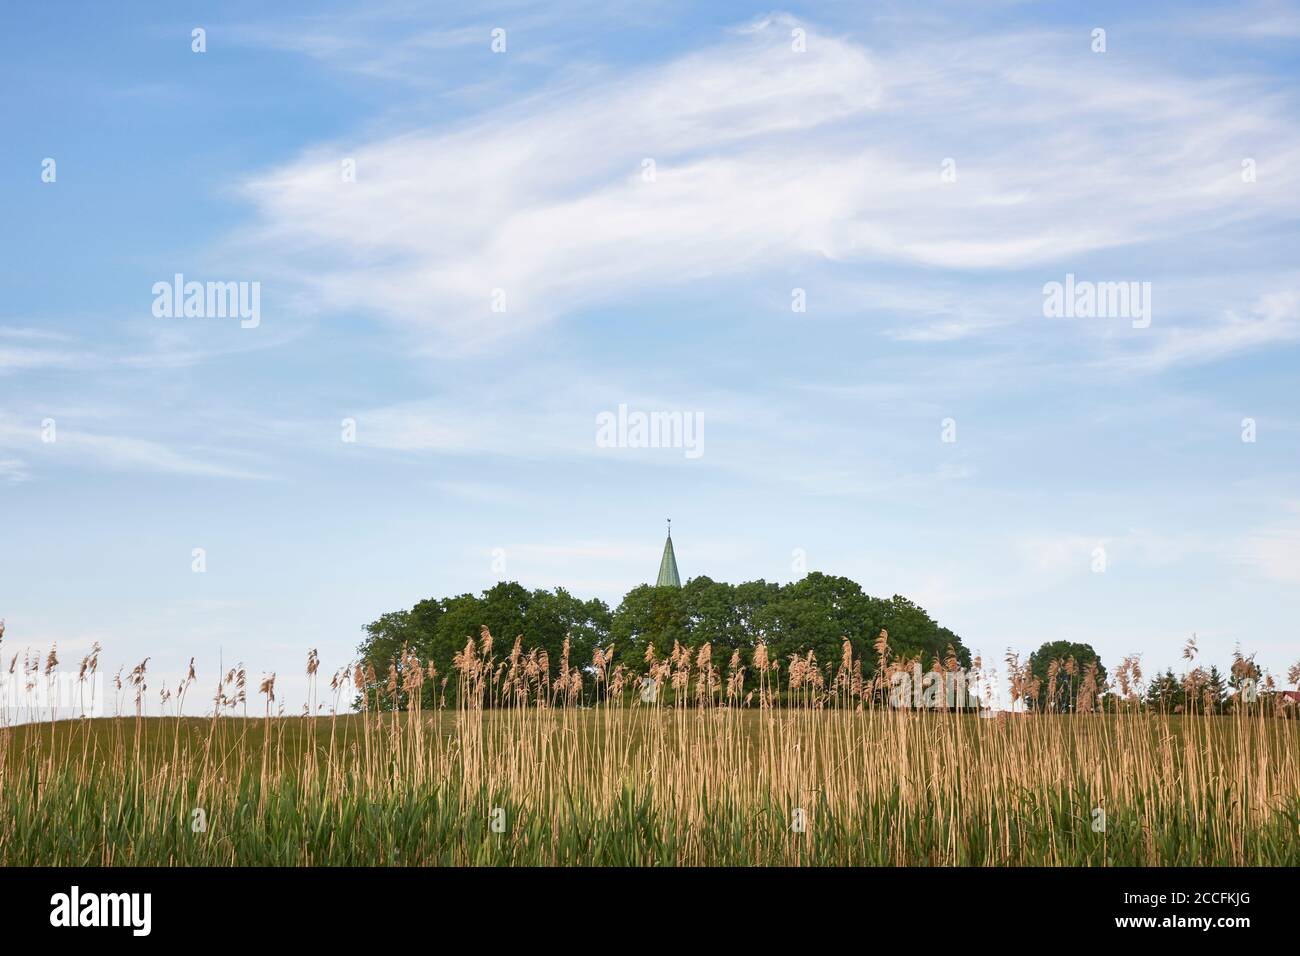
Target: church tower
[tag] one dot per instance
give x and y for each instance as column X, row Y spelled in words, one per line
column 668, row 577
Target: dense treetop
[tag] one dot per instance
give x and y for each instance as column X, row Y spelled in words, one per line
column 815, row 613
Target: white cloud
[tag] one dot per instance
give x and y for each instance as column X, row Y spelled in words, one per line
column 1273, row 318
column 22, row 358
column 28, row 333
column 1275, row 554
column 765, row 156
column 1070, row 554
column 1268, row 21
column 158, row 347
column 1274, row 551
column 81, row 448
column 13, row 469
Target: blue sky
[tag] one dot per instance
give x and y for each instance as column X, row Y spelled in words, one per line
column 775, row 169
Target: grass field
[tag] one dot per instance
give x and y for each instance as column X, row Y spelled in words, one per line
column 652, row 785
column 530, row 764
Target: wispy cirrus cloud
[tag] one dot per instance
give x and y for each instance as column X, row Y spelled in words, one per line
column 88, row 449
column 763, row 155
column 1264, row 20
column 25, row 349
column 1274, row 318
column 1274, row 550
column 13, row 469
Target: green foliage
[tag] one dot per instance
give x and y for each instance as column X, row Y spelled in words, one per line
column 124, row 792
column 1067, row 685
column 1208, row 692
column 815, row 613
column 1218, row 690
column 1166, row 693
column 435, row 630
column 649, row 616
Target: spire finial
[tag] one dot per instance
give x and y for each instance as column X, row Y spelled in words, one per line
column 668, row 576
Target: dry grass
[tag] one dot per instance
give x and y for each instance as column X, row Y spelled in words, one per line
column 715, row 779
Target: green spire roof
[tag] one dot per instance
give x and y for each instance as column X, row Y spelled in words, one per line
column 668, row 577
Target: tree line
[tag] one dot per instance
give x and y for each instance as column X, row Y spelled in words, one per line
column 816, row 613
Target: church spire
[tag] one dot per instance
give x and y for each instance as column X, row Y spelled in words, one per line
column 668, row 576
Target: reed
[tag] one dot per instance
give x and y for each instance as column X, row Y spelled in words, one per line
column 793, row 763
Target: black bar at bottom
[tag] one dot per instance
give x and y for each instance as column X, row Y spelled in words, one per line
column 261, row 906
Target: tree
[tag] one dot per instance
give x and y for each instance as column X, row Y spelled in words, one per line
column 435, row 630
column 912, row 632
column 815, row 613
column 1244, row 680
column 713, row 618
column 1166, row 692
column 1217, row 689
column 1069, row 677
column 648, row 616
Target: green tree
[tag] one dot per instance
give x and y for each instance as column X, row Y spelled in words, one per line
column 648, row 616
column 1067, row 685
column 1166, row 692
column 713, row 617
column 1218, row 690
column 913, row 632
column 435, row 630
column 814, row 614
